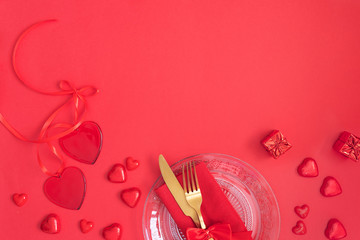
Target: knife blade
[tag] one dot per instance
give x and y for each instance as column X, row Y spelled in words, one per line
column 176, row 190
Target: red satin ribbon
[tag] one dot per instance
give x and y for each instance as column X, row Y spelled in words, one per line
column 217, row 232
column 77, row 99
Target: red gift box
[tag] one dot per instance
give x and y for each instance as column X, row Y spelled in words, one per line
column 276, row 144
column 349, row 145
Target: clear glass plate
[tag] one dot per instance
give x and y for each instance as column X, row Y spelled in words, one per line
column 247, row 190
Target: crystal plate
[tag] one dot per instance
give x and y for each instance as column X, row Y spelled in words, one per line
column 247, row 190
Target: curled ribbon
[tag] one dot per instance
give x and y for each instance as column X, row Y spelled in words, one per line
column 217, row 232
column 77, row 100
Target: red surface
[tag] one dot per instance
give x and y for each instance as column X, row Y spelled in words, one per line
column 181, row 78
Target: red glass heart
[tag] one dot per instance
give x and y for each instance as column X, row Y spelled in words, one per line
column 299, row 228
column 20, row 199
column 132, row 164
column 308, row 168
column 68, row 189
column 83, row 144
column 86, row 226
column 302, row 211
column 112, row 232
column 330, row 187
column 51, row 224
column 131, row 196
column 335, row 230
column 117, row 174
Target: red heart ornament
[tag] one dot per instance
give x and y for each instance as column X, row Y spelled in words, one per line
column 86, row 226
column 51, row 224
column 302, row 211
column 299, row 228
column 132, row 164
column 335, row 230
column 330, row 187
column 117, row 174
column 68, row 189
column 20, row 199
column 112, row 232
column 308, row 168
column 131, row 196
column 84, row 143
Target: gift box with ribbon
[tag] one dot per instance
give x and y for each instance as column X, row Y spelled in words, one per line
column 276, row 144
column 348, row 145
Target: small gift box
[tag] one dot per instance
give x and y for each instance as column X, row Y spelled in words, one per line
column 276, row 144
column 349, row 145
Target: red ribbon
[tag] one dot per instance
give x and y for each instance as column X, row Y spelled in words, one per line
column 77, row 100
column 217, row 232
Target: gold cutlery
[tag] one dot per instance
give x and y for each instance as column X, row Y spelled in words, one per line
column 176, row 190
column 192, row 190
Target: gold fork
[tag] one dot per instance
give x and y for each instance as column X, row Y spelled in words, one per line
column 192, row 190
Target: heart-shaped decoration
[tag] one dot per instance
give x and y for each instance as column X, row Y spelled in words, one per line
column 302, row 211
column 86, row 226
column 84, row 143
column 131, row 196
column 68, row 189
column 299, row 228
column 20, row 199
column 112, row 232
column 51, row 224
column 308, row 168
column 132, row 164
column 335, row 230
column 330, row 187
column 117, row 174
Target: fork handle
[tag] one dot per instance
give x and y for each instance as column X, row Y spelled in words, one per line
column 202, row 223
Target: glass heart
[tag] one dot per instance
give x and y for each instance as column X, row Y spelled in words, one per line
column 83, row 144
column 68, row 189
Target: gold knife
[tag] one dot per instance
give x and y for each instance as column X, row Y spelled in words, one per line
column 176, row 190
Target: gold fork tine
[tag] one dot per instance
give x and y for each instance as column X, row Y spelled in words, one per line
column 194, row 188
column 196, row 178
column 184, row 181
column 188, row 178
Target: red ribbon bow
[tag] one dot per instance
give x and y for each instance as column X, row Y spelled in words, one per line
column 217, row 232
column 77, row 99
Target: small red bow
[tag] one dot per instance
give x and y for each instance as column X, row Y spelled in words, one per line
column 217, row 232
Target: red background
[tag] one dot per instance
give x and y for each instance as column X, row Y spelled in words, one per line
column 181, row 78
